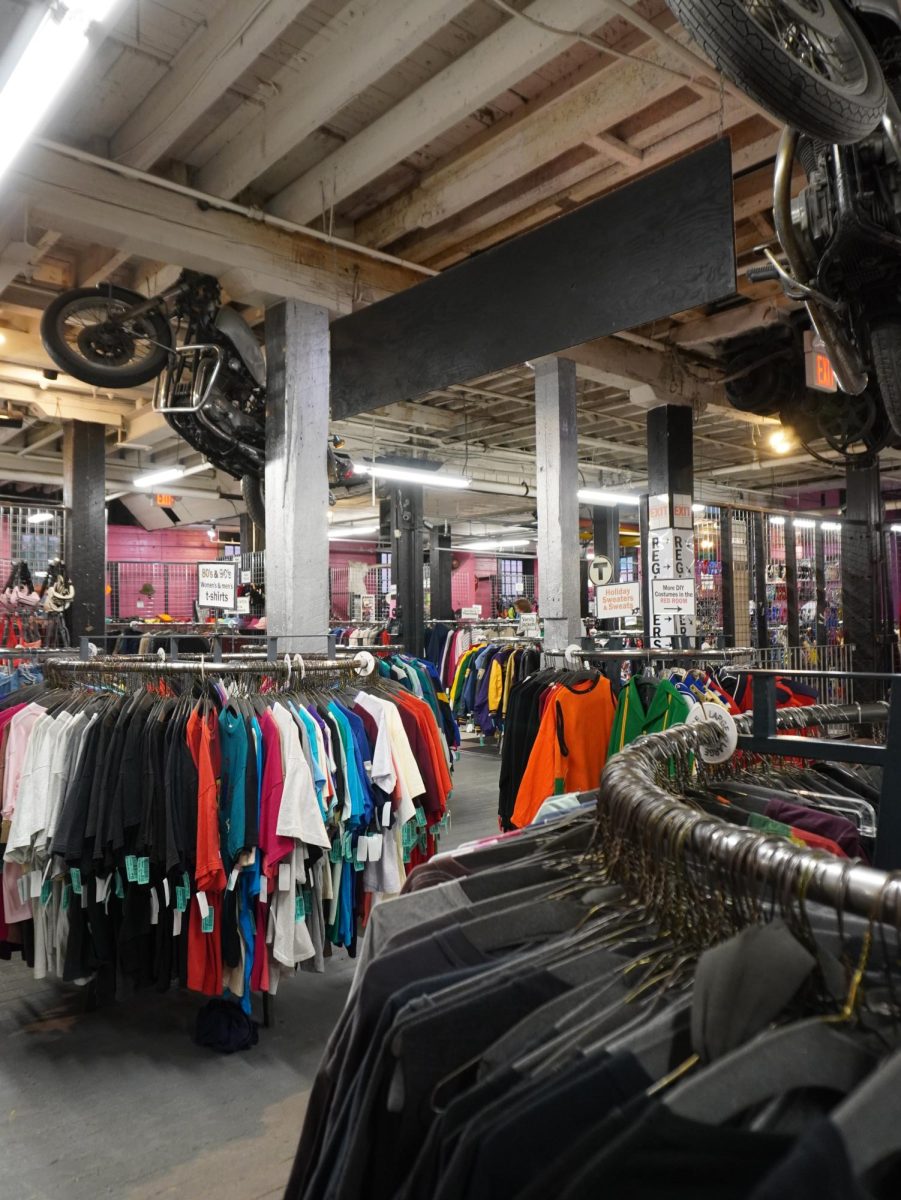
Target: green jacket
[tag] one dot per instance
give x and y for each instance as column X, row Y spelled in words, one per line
column 668, row 707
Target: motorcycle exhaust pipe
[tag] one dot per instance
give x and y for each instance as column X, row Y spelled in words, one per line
column 849, row 373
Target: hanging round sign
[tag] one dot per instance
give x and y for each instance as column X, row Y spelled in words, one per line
column 707, row 711
column 600, row 570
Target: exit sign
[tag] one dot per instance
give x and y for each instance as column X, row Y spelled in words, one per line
column 818, row 370
column 164, row 500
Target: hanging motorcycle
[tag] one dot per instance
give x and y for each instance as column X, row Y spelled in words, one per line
column 209, row 365
column 831, row 70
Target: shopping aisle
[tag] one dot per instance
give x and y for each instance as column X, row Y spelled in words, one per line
column 137, row 1111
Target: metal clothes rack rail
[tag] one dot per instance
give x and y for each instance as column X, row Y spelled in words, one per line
column 763, row 738
column 635, row 805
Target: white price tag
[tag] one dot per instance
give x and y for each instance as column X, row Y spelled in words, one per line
column 203, row 904
column 233, row 878
column 284, row 877
column 35, row 885
column 264, row 889
column 176, row 922
column 154, row 907
column 166, row 892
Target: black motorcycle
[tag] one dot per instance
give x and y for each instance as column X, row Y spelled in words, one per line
column 209, row 367
column 831, row 70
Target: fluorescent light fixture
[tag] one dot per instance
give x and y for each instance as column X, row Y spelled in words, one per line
column 830, row 527
column 502, row 544
column 348, row 531
column 777, row 520
column 602, row 496
column 803, row 523
column 436, row 479
column 45, row 65
column 895, row 528
column 163, row 475
column 39, row 518
column 698, row 508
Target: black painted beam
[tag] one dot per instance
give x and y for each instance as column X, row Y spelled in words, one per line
column 440, row 561
column 84, row 479
column 758, row 535
column 654, row 247
column 865, row 587
column 407, row 563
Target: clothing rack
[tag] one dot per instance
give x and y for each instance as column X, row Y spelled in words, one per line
column 358, row 666
column 763, row 739
column 641, row 812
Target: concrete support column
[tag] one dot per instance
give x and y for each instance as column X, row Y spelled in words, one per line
column 557, row 459
column 297, row 413
column 440, row 559
column 407, row 563
column 866, row 593
column 84, row 477
column 668, row 547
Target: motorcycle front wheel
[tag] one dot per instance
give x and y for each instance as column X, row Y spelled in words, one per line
column 806, row 61
column 84, row 333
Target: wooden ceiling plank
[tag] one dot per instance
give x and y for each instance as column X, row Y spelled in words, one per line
column 220, row 51
column 487, row 70
column 375, row 40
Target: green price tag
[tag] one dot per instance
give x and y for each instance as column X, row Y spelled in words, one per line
column 46, row 889
column 187, row 882
column 181, row 899
column 299, row 912
column 67, row 895
column 206, row 923
column 307, row 902
column 75, row 877
column 143, row 870
column 420, row 817
column 358, row 866
column 120, row 886
column 334, row 854
column 131, row 868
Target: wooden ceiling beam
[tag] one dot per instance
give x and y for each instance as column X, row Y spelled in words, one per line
column 258, row 261
column 221, row 50
column 538, row 134
column 483, row 73
column 376, row 38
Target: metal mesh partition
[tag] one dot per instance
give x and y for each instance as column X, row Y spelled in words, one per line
column 708, row 575
column 144, row 589
column 360, row 591
column 776, row 590
column 31, row 534
column 804, row 532
column 832, row 582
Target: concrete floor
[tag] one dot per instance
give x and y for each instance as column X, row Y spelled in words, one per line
column 119, row 1102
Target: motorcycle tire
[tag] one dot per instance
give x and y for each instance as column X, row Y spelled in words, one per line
column 254, row 499
column 68, row 358
column 885, row 347
column 754, row 61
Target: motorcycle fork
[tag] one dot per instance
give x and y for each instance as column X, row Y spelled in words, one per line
column 160, row 301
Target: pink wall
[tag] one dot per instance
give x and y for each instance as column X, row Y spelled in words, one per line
column 129, row 543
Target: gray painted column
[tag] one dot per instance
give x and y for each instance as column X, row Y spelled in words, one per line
column 557, row 459
column 297, row 413
column 84, row 476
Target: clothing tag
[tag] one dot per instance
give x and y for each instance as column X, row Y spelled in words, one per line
column 299, row 912
column 202, row 904
column 264, row 889
column 181, row 899
column 75, row 877
column 154, row 907
column 67, row 895
column 362, row 851
column 102, row 887
column 34, row 884
column 22, row 888
column 375, row 847
column 131, row 868
column 143, row 870
column 186, row 883
column 206, row 923
column 233, row 878
column 46, row 890
column 284, row 876
column 419, row 817
column 176, row 922
column 120, row 886
column 358, row 866
column 166, row 892
column 386, row 814
column 84, row 897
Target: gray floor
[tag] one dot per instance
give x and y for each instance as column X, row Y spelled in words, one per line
column 119, row 1102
